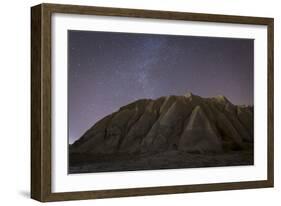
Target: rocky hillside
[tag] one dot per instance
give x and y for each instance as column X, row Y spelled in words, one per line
column 186, row 123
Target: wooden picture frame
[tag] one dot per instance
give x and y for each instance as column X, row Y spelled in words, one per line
column 41, row 173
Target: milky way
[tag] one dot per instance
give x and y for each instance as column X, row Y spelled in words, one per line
column 108, row 70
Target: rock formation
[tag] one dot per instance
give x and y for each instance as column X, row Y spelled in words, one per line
column 187, row 123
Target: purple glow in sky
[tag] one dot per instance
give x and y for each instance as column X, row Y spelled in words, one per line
column 107, row 70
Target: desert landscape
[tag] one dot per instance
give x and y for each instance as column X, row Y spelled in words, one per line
column 169, row 132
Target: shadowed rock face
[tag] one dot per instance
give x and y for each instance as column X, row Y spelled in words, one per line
column 186, row 123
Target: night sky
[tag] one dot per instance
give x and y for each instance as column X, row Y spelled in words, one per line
column 107, row 70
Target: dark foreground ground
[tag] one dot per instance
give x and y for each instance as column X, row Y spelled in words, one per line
column 167, row 160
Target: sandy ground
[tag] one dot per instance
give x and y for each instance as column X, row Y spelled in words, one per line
column 166, row 160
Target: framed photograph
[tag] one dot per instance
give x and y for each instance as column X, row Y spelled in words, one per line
column 130, row 102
